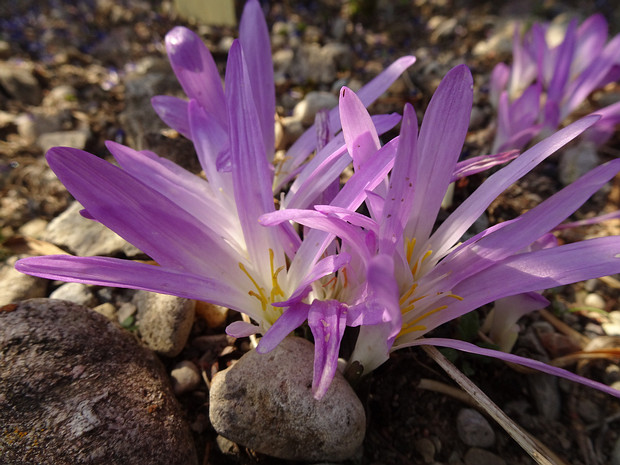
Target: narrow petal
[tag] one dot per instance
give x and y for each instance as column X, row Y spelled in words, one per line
column 254, row 38
column 464, row 216
column 327, row 320
column 440, row 143
column 533, row 271
column 139, row 214
column 114, row 272
column 326, row 166
column 401, row 189
column 526, row 362
column 304, row 146
column 481, row 163
column 529, row 226
column 196, row 71
column 292, row 318
column 359, row 132
column 250, row 168
column 212, row 143
column 591, row 38
column 565, row 54
column 242, row 329
column 173, row 112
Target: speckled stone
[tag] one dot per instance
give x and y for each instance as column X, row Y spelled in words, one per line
column 265, row 403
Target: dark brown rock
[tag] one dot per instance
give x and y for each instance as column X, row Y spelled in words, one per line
column 76, row 389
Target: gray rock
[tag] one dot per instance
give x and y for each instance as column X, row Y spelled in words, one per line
column 265, row 402
column 75, row 138
column 577, row 161
column 476, row 456
column 320, row 64
column 15, row 286
column 77, row 293
column 544, row 390
column 18, row 81
column 185, row 377
column 306, row 110
column 473, row 429
column 615, row 453
column 75, row 389
column 164, row 321
column 82, row 236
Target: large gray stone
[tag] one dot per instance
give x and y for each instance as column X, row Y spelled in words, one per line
column 76, row 389
column 265, row 402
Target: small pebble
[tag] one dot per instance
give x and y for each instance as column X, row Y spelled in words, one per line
column 108, row 310
column 185, row 377
column 474, row 429
column 426, row 449
column 594, row 300
column 75, row 292
column 476, row 456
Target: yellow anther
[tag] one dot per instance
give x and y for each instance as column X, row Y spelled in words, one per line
column 427, row 314
column 426, row 255
column 408, row 294
column 410, row 245
column 276, row 290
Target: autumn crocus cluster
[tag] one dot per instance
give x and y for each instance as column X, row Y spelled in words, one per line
column 548, row 81
column 221, row 239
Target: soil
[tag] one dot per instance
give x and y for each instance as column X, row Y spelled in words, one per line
column 79, row 45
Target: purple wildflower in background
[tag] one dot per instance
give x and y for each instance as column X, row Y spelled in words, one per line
column 547, row 82
column 435, row 278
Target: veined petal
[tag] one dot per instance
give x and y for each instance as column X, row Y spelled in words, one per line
column 482, row 163
column 401, row 189
column 533, row 271
column 529, row 226
column 464, row 216
column 327, row 320
column 211, row 143
column 326, row 167
column 250, row 168
column 254, row 38
column 591, row 38
column 292, row 318
column 105, row 271
column 304, row 146
column 139, row 214
column 359, row 132
column 561, row 73
column 173, row 112
column 196, row 71
column 527, row 362
column 188, row 191
column 350, row 197
column 439, row 145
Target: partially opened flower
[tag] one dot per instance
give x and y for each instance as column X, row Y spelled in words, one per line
column 548, row 81
column 437, row 278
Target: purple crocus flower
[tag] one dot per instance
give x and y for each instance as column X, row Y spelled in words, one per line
column 437, row 278
column 547, row 82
